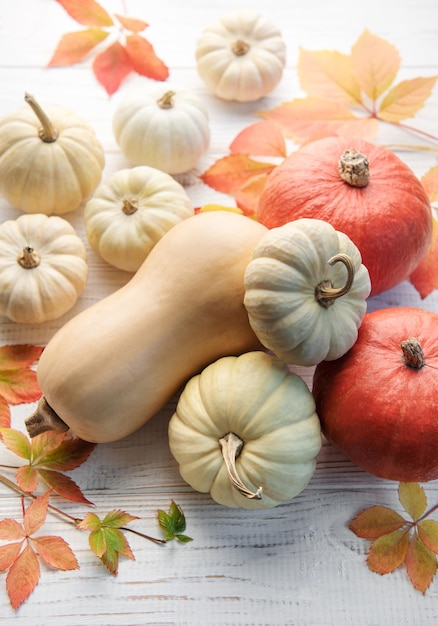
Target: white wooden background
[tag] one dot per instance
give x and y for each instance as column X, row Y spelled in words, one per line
column 295, row 564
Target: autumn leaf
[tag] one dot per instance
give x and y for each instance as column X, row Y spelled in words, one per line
column 20, row 557
column 111, row 66
column 87, row 12
column 231, row 172
column 131, row 23
column 406, row 99
column 143, row 58
column 396, row 540
column 48, row 454
column 5, row 414
column 73, row 47
column 263, row 138
column 18, row 382
column 327, row 74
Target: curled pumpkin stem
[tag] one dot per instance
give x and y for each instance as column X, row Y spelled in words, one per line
column 325, row 293
column 231, row 447
column 47, row 132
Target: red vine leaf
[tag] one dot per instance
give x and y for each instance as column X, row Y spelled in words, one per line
column 143, row 58
column 263, row 138
column 56, row 552
column 18, row 382
column 73, row 47
column 111, row 66
column 87, row 12
column 23, row 576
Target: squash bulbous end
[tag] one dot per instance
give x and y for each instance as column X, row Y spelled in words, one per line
column 43, row 419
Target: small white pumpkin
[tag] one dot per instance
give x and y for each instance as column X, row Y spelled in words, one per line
column 43, row 268
column 245, row 430
column 305, row 292
column 163, row 127
column 131, row 211
column 241, row 56
column 50, row 160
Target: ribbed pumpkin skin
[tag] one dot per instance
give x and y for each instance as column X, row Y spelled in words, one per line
column 380, row 412
column 389, row 220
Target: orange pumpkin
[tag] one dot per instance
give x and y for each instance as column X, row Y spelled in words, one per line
column 379, row 402
column 363, row 190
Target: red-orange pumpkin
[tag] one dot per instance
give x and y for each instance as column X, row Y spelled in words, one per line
column 379, row 402
column 363, row 190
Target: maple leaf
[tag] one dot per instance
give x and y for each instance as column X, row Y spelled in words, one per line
column 48, row 455
column 396, row 540
column 425, row 277
column 20, row 555
column 106, row 539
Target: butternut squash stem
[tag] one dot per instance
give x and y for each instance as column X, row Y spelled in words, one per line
column 43, row 419
column 413, row 354
column 240, row 47
column 231, row 447
column 166, row 100
column 325, row 293
column 28, row 258
column 354, row 168
column 47, row 132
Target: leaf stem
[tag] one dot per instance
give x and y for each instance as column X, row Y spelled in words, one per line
column 428, row 512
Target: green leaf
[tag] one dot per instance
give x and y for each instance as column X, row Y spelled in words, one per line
column 91, row 522
column 117, row 519
column 413, row 498
column 16, row 442
column 173, row 523
column 97, row 541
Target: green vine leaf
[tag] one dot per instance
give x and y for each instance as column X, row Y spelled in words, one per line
column 173, row 523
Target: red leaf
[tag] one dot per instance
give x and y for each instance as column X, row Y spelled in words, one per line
column 18, row 383
column 87, row 12
column 131, row 23
column 68, row 454
column 228, row 174
column 73, row 47
column 111, row 66
column 63, row 486
column 56, row 552
column 16, row 442
column 8, row 554
column 27, row 478
column 35, row 514
column 263, row 138
column 5, row 414
column 421, row 564
column 11, row 530
column 23, row 577
column 143, row 58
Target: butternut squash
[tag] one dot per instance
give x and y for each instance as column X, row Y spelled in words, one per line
column 116, row 364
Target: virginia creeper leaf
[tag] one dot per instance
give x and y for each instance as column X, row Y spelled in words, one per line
column 56, row 552
column 143, row 59
column 87, row 12
column 73, row 47
column 406, row 98
column 131, row 23
column 430, row 183
column 421, row 564
column 60, row 452
column 116, row 540
column 388, row 552
column 27, row 478
column 91, row 522
column 428, row 533
column 8, row 554
column 375, row 522
column 327, row 74
column 247, row 197
column 16, row 442
column 18, row 383
column 22, row 577
column 111, row 66
column 5, row 414
column 260, row 139
column 36, row 513
column 97, row 541
column 173, row 523
column 413, row 498
column 11, row 530
column 110, row 558
column 117, row 519
column 375, row 63
column 229, row 173
column 63, row 485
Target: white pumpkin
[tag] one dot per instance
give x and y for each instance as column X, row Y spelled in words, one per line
column 306, row 291
column 130, row 211
column 245, row 430
column 241, row 56
column 50, row 160
column 163, row 127
column 43, row 268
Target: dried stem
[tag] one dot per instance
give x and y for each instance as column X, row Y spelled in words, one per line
column 47, row 132
column 231, row 448
column 325, row 293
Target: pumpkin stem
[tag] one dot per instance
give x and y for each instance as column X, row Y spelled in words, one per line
column 28, row 258
column 231, row 447
column 166, row 100
column 413, row 354
column 130, row 206
column 43, row 419
column 240, row 47
column 325, row 293
column 47, row 132
column 354, row 168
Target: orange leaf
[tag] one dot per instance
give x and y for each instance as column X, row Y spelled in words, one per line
column 56, row 552
column 73, row 47
column 59, row 451
column 308, row 119
column 87, row 12
column 143, row 58
column 388, row 552
column 421, row 564
column 428, row 533
column 406, row 98
column 228, row 174
column 260, row 139
column 8, row 554
column 132, row 24
column 430, row 183
column 16, row 442
column 63, row 485
column 425, row 276
column 11, row 530
column 375, row 522
column 111, row 66
column 247, row 197
column 18, row 382
column 5, row 414
column 36, row 513
column 327, row 74
column 375, row 63
column 27, row 478
column 23, row 577
column 413, row 498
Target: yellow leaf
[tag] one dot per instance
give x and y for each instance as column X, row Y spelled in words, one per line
column 406, row 98
column 327, row 74
column 388, row 552
column 421, row 564
column 428, row 533
column 413, row 498
column 375, row 63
